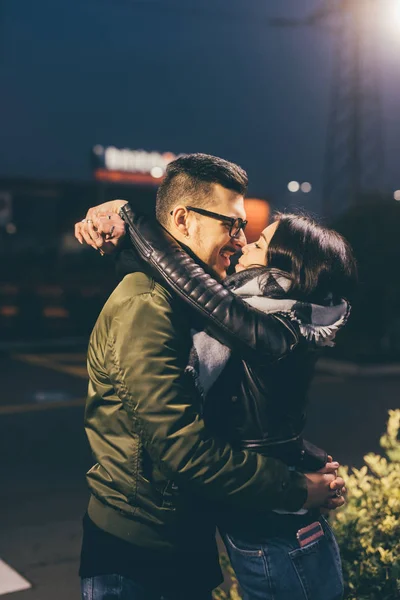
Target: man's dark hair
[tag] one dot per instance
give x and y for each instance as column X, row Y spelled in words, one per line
column 319, row 260
column 189, row 180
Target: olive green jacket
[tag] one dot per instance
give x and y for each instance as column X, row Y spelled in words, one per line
column 158, row 470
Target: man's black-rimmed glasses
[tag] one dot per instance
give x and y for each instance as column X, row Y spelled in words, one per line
column 236, row 225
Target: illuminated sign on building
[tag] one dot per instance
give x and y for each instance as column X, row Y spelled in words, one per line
column 125, row 165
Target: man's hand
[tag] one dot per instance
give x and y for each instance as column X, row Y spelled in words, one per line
column 102, row 228
column 323, row 488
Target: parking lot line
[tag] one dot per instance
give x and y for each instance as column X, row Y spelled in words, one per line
column 51, row 361
column 10, row 580
column 10, row 409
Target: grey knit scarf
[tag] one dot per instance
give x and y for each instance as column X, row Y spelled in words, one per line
column 267, row 291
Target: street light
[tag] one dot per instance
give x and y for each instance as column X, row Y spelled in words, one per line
column 306, row 187
column 157, row 172
column 391, row 15
column 293, row 186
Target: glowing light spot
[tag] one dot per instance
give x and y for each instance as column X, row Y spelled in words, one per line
column 306, row 187
column 389, row 19
column 396, row 195
column 157, row 172
column 11, row 229
column 394, row 12
column 293, row 186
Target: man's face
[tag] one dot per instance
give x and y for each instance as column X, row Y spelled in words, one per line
column 209, row 238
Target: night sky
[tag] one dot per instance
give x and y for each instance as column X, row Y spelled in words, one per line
column 174, row 75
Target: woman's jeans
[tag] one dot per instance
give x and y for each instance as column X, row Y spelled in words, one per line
column 277, row 568
column 117, row 587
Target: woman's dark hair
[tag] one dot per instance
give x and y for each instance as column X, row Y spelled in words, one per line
column 319, row 260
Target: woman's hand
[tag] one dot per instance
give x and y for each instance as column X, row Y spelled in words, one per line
column 339, row 490
column 325, row 488
column 102, row 229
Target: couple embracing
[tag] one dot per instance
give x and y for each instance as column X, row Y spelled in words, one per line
column 197, row 397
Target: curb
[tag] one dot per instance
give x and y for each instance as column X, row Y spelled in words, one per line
column 32, row 345
column 339, row 367
column 327, row 366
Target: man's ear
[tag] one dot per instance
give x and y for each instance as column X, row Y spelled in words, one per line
column 180, row 216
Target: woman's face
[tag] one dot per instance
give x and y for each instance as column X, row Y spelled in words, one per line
column 255, row 254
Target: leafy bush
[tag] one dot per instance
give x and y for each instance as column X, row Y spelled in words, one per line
column 233, row 592
column 368, row 527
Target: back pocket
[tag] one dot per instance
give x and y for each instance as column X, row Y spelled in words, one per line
column 318, row 571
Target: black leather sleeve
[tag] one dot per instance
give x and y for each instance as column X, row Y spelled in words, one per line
column 229, row 319
column 313, row 458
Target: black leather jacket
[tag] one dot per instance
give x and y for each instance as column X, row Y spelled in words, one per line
column 263, row 401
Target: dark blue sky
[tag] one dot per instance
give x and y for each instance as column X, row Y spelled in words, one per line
column 210, row 77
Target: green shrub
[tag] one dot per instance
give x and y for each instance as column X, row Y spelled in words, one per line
column 368, row 527
column 233, row 591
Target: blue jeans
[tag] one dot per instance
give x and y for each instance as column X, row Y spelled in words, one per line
column 117, row 587
column 277, row 568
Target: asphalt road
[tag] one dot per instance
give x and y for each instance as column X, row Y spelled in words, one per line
column 44, row 456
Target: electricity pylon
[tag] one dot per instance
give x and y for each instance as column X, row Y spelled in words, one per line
column 354, row 155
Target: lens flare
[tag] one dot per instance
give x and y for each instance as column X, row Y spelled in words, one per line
column 391, row 16
column 293, row 186
column 396, row 12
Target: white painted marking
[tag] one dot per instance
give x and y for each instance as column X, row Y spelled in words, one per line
column 10, row 580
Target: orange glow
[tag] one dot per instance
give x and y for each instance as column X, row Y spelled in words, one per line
column 258, row 214
column 9, row 311
column 124, row 177
column 55, row 312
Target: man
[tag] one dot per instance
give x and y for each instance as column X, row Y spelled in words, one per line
column 148, row 532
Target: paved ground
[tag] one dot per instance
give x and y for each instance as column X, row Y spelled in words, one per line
column 44, row 456
column 43, row 495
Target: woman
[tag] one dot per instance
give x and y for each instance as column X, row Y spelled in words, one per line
column 300, row 271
